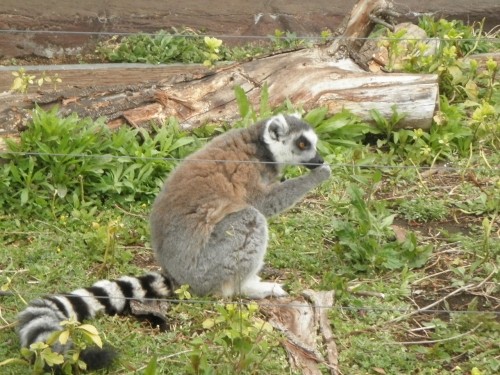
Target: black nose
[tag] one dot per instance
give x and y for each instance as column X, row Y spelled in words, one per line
column 314, row 162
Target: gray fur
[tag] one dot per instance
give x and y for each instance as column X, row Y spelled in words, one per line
column 208, row 225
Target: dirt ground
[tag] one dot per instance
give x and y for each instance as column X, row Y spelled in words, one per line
column 234, row 18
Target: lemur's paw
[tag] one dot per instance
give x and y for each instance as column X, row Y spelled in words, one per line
column 323, row 172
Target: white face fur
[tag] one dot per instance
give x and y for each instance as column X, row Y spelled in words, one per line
column 289, row 146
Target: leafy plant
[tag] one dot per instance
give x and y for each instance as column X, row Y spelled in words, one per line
column 341, row 129
column 183, row 46
column 467, row 38
column 42, row 356
column 106, row 237
column 394, row 47
column 71, row 161
column 74, row 337
column 183, row 292
column 448, row 136
column 461, row 81
column 190, row 46
column 249, row 114
column 423, row 209
column 366, row 240
column 36, row 179
column 453, row 41
column 480, row 204
column 387, row 126
column 326, row 35
column 23, row 81
column 283, row 40
column 212, row 54
column 241, row 340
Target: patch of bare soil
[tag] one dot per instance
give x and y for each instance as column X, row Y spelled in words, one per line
column 145, row 260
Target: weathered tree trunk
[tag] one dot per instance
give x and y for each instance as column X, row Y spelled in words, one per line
column 309, row 77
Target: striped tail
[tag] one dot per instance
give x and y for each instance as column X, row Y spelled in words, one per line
column 43, row 316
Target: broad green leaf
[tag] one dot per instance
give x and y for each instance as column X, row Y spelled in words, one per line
column 89, row 328
column 151, row 369
column 17, row 85
column 39, row 345
column 242, row 100
column 24, row 196
column 96, row 339
column 456, row 73
column 262, row 325
column 61, row 190
column 208, row 323
column 181, row 142
column 54, row 336
column 332, row 124
column 316, row 116
column 265, row 108
column 26, row 353
column 14, row 361
column 51, row 358
column 386, row 221
column 63, row 337
column 82, row 365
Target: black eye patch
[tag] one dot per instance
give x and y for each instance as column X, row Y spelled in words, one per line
column 303, row 143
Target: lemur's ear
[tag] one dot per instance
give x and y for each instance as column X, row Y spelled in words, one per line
column 277, row 127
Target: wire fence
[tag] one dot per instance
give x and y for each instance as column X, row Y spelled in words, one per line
column 438, row 168
column 26, row 296
column 491, row 39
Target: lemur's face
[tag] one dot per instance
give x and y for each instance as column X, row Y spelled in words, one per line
column 292, row 142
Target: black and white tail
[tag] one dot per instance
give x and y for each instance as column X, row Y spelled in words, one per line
column 43, row 316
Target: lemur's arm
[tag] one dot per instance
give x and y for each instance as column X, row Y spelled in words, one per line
column 283, row 195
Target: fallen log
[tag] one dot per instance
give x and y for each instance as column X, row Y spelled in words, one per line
column 309, row 77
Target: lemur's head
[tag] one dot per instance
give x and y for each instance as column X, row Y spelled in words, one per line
column 291, row 141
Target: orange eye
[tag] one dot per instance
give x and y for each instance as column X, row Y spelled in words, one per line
column 302, row 145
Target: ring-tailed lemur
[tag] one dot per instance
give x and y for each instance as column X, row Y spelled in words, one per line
column 208, row 227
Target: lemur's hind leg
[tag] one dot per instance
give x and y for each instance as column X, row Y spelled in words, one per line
column 229, row 263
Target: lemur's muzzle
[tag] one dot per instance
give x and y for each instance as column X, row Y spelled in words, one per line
column 314, row 162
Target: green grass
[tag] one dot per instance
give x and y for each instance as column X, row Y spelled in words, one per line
column 340, row 237
column 302, row 255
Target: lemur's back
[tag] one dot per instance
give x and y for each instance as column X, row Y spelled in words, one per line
column 212, row 183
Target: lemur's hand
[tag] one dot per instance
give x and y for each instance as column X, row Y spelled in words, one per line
column 322, row 173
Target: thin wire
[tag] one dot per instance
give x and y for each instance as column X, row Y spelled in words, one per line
column 293, row 304
column 227, row 36
column 337, row 165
